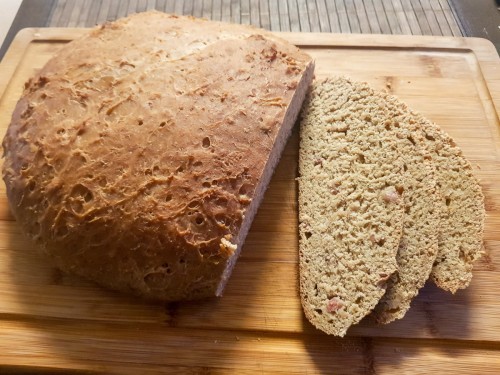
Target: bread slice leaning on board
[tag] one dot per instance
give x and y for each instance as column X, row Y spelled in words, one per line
column 346, row 233
column 351, row 207
column 138, row 156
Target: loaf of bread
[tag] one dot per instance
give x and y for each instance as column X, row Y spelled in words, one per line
column 351, row 204
column 138, row 156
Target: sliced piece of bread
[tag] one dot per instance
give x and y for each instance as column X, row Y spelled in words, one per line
column 419, row 243
column 350, row 204
column 462, row 222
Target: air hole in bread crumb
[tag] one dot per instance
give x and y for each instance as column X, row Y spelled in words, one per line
column 308, row 235
column 448, row 201
column 31, row 185
column 80, row 132
column 182, row 260
column 245, row 189
column 319, row 311
column 61, row 131
column 197, row 164
column 222, row 220
column 80, row 190
column 194, row 204
column 405, row 167
column 221, row 202
column 361, row 158
column 412, row 141
column 461, row 254
column 148, row 172
column 180, row 169
column 168, row 198
column 102, row 181
column 387, row 126
column 199, row 220
column 206, row 184
column 76, row 206
column 206, row 142
column 162, row 124
column 140, row 122
column 430, row 137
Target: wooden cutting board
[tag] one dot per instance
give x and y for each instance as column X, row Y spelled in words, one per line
column 51, row 320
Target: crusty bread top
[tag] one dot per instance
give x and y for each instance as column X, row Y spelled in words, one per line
column 134, row 153
column 350, row 204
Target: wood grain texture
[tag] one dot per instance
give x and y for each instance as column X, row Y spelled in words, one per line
column 294, row 15
column 283, row 15
column 60, row 322
column 352, row 16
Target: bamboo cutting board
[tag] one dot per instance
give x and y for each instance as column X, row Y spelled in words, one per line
column 51, row 320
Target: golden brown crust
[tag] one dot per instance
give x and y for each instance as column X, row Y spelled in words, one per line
column 134, row 154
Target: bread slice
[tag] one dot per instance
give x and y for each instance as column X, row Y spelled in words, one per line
column 350, row 204
column 462, row 221
column 138, row 156
column 419, row 242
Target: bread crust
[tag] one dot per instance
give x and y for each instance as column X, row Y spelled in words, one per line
column 134, row 155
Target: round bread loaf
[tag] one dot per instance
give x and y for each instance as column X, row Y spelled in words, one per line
column 138, row 156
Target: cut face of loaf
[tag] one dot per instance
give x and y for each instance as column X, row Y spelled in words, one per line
column 138, row 156
column 351, row 205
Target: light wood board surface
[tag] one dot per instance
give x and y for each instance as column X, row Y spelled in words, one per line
column 51, row 320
